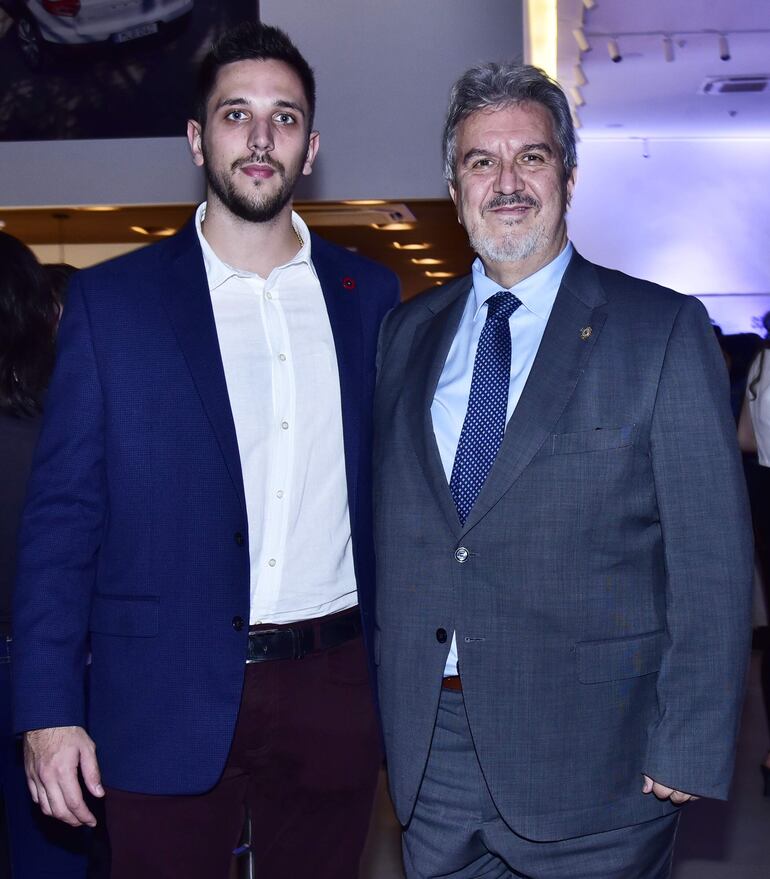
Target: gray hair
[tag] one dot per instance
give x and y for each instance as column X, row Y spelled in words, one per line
column 494, row 86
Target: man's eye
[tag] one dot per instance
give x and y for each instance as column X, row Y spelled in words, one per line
column 284, row 118
column 531, row 158
column 482, row 163
column 236, row 115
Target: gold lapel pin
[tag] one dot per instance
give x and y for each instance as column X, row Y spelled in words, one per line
column 585, row 333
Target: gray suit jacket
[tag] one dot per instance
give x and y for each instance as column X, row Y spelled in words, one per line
column 602, row 614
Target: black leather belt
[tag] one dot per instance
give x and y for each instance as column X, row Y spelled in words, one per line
column 300, row 639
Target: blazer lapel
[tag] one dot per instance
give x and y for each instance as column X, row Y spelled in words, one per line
column 563, row 353
column 343, row 305
column 188, row 304
column 430, row 347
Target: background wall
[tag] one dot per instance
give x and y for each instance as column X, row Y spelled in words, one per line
column 692, row 215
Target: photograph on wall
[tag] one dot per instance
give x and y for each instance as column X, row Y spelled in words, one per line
column 90, row 69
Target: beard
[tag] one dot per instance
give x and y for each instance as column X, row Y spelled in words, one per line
column 254, row 207
column 512, row 244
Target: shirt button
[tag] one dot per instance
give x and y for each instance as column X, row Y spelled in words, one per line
column 268, row 295
column 237, row 623
column 461, row 554
column 285, row 425
column 279, row 493
column 271, row 562
column 441, row 636
column 282, row 357
column 238, row 537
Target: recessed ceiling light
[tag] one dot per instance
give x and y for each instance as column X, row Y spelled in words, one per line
column 154, row 231
column 393, row 227
column 439, row 274
column 365, row 201
column 100, row 208
column 399, row 246
column 426, row 261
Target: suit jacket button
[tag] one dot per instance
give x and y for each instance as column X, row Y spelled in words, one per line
column 238, row 623
column 441, row 636
column 461, row 554
column 238, row 538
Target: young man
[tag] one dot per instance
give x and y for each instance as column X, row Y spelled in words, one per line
column 551, row 439
column 199, row 517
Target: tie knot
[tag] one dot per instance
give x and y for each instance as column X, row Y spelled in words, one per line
column 502, row 305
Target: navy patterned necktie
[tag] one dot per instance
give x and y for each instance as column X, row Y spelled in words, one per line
column 484, row 423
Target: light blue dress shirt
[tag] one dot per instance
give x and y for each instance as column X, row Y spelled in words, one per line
column 450, row 402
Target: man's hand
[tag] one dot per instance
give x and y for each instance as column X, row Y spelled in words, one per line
column 666, row 793
column 51, row 760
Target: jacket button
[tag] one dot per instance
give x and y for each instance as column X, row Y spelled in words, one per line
column 441, row 636
column 238, row 623
column 238, row 538
column 461, row 554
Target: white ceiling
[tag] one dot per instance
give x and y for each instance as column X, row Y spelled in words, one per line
column 644, row 96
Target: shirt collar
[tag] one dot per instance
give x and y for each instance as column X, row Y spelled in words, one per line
column 218, row 271
column 537, row 293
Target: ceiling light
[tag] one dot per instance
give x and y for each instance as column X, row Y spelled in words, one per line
column 154, row 231
column 724, row 48
column 392, row 227
column 577, row 99
column 99, row 208
column 439, row 274
column 589, row 4
column 365, row 201
column 541, row 27
column 426, row 261
column 612, row 48
column 580, row 38
column 399, row 246
column 580, row 77
column 668, row 49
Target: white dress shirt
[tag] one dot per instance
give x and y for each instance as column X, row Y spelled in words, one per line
column 450, row 402
column 282, row 380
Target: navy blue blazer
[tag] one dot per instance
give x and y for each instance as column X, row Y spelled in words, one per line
column 128, row 542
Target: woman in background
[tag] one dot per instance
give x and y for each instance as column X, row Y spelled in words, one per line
column 30, row 305
column 754, row 436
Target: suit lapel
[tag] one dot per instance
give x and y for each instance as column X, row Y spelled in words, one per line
column 188, row 304
column 343, row 305
column 430, row 347
column 563, row 353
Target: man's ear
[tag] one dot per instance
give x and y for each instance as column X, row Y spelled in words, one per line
column 570, row 187
column 312, row 151
column 195, row 139
column 453, row 194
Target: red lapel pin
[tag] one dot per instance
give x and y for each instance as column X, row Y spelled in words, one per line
column 349, row 283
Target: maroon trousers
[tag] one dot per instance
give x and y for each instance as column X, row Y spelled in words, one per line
column 304, row 760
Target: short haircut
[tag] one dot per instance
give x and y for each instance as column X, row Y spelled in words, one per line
column 494, row 86
column 252, row 41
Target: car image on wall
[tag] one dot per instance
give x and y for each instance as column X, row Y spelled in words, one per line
column 45, row 26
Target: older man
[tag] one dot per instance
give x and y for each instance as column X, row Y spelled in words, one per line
column 564, row 552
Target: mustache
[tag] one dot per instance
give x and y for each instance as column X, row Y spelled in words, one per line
column 509, row 201
column 259, row 159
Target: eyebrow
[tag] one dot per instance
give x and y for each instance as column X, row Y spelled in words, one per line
column 278, row 104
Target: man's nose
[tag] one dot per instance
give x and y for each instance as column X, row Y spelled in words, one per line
column 508, row 180
column 261, row 136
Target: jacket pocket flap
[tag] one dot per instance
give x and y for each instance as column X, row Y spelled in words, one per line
column 597, row 440
column 600, row 661
column 135, row 617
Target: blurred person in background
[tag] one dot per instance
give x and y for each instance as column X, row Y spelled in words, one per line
column 754, row 437
column 30, row 305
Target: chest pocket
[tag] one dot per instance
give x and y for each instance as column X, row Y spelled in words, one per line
column 601, row 439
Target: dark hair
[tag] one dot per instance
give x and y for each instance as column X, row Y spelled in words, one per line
column 59, row 274
column 29, row 314
column 252, row 41
column 494, row 86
